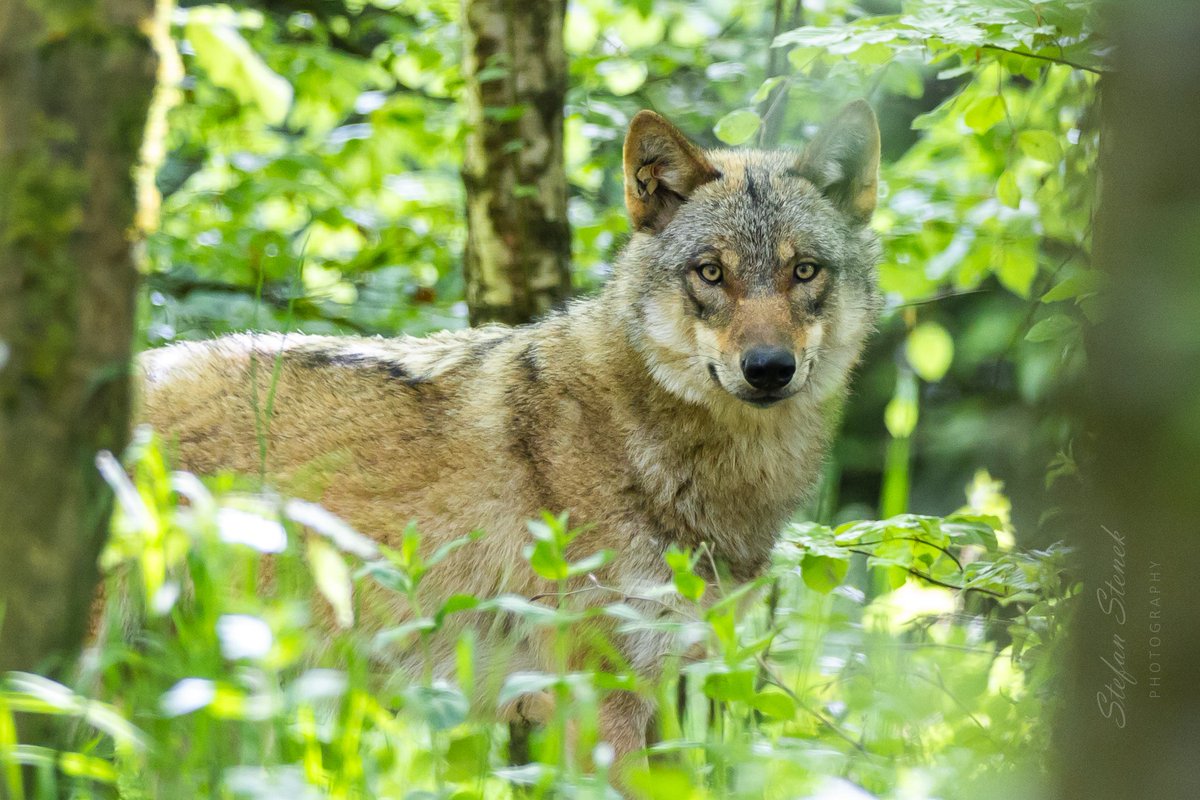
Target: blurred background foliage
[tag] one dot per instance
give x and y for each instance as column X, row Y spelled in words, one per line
column 312, row 183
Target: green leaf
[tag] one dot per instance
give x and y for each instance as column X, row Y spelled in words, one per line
column 738, row 126
column 75, row 765
column 730, row 686
column 663, row 783
column 232, row 64
column 1040, row 146
column 803, row 58
column 519, row 683
column 1085, row 283
column 590, row 564
column 466, row 757
column 319, row 520
column 677, row 559
column 623, row 76
column 893, row 577
column 1007, row 190
column 441, row 706
column 823, row 574
column 1016, row 265
column 332, row 577
column 52, row 697
column 546, row 562
column 983, row 114
column 400, row 634
column 765, row 90
column 930, row 350
column 690, row 586
column 515, row 604
column 1052, row 328
column 775, row 704
column 900, row 415
column 456, row 603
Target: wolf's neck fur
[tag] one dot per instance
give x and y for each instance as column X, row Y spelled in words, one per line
column 711, row 469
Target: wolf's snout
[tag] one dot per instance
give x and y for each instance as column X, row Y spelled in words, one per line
column 768, row 368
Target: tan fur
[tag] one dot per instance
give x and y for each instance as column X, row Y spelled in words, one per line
column 623, row 410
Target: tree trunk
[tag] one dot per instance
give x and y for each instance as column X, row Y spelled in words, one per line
column 517, row 262
column 788, row 15
column 1131, row 722
column 75, row 83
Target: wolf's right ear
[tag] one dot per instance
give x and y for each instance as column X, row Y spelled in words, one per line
column 662, row 169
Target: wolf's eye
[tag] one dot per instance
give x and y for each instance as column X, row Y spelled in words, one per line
column 710, row 273
column 806, row 270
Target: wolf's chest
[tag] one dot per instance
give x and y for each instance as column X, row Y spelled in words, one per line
column 729, row 492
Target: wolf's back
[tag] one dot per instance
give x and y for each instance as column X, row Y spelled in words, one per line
column 380, row 430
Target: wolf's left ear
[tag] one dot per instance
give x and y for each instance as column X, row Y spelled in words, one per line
column 662, row 169
column 843, row 161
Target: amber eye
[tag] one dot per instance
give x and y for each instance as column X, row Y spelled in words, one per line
column 806, row 270
column 710, row 272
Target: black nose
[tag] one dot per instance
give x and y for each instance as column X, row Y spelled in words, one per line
column 768, row 368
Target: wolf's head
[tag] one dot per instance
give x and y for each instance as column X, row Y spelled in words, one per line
column 751, row 274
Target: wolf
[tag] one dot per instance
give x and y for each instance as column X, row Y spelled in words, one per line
column 689, row 404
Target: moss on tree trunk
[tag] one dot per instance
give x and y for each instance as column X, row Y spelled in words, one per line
column 518, row 251
column 75, row 82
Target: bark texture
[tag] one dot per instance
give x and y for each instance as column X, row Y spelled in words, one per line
column 1131, row 722
column 517, row 262
column 75, row 83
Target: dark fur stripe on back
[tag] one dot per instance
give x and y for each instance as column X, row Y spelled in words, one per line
column 393, row 368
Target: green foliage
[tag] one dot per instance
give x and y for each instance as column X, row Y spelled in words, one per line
column 216, row 675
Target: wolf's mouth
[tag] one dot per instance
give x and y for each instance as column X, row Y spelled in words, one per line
column 758, row 400
column 765, row 401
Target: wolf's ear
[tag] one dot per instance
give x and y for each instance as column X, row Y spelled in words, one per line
column 662, row 169
column 843, row 161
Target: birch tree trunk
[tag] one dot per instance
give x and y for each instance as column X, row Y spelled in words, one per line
column 75, row 83
column 517, row 262
column 1131, row 722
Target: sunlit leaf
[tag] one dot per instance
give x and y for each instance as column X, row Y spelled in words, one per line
column 186, row 696
column 929, row 350
column 521, row 683
column 1016, row 265
column 1040, row 145
column 1007, row 190
column 730, row 686
column 738, row 126
column 333, row 580
column 327, row 524
column 232, row 64
column 823, row 573
column 983, row 114
column 775, row 704
column 623, row 76
column 764, row 91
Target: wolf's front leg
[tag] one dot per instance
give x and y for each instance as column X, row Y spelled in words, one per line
column 624, row 717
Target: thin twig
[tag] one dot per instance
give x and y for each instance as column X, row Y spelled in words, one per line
column 943, row 296
column 952, row 557
column 1065, row 62
column 930, row 579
